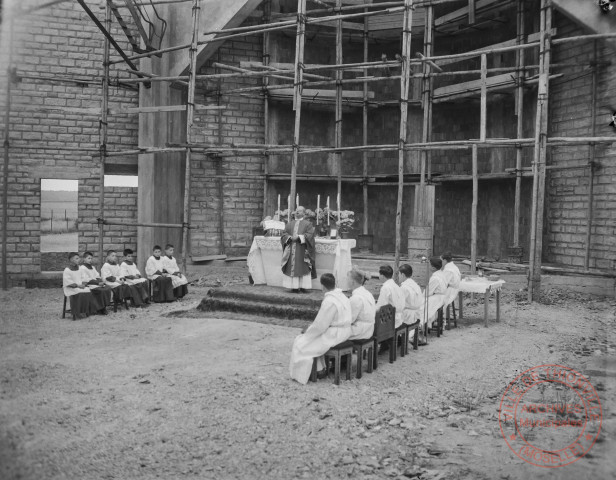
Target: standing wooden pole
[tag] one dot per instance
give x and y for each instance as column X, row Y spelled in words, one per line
column 474, row 213
column 103, row 137
column 297, row 95
column 404, row 95
column 365, row 129
column 591, row 156
column 338, row 113
column 520, row 124
column 190, row 114
column 540, row 154
column 483, row 113
column 426, row 101
column 5, row 171
column 267, row 14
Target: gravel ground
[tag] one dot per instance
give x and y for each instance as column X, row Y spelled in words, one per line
column 169, row 392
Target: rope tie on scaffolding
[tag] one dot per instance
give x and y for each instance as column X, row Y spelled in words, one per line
column 301, row 19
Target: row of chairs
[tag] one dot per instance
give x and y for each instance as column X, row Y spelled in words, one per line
column 384, row 332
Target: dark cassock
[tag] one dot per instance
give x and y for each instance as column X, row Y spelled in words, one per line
column 298, row 253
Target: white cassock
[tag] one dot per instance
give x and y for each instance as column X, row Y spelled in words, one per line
column 413, row 301
column 436, row 296
column 68, row 278
column 331, row 326
column 126, row 269
column 363, row 311
column 171, row 266
column 391, row 294
column 108, row 270
column 154, row 265
column 453, row 275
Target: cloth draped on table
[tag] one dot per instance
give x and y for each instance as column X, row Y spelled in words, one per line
column 298, row 256
column 413, row 301
column 121, row 291
column 331, row 326
column 102, row 294
column 81, row 299
column 453, row 276
column 391, row 294
column 180, row 282
column 162, row 285
column 138, row 286
column 363, row 312
column 436, row 297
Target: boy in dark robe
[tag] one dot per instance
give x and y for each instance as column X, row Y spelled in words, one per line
column 138, row 285
column 81, row 299
column 110, row 272
column 92, row 279
column 162, row 283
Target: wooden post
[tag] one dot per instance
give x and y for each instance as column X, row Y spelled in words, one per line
column 103, row 137
column 426, row 101
column 520, row 124
column 591, row 157
column 474, row 213
column 297, row 95
column 7, row 138
column 190, row 113
column 218, row 159
column 404, row 95
column 365, row 129
column 338, row 113
column 540, row 154
column 483, row 114
column 267, row 14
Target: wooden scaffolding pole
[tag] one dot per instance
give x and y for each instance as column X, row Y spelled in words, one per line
column 404, row 107
column 7, row 139
column 426, row 101
column 267, row 14
column 591, row 156
column 190, row 114
column 297, row 95
column 338, row 112
column 365, row 129
column 540, row 154
column 520, row 124
column 474, row 213
column 103, row 136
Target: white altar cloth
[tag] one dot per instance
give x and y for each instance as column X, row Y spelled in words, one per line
column 332, row 256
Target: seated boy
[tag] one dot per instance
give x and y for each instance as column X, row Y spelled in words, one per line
column 110, row 272
column 170, row 266
column 391, row 293
column 92, row 279
column 137, row 284
column 81, row 299
column 162, row 282
column 435, row 297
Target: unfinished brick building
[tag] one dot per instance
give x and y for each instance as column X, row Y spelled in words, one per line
column 504, row 107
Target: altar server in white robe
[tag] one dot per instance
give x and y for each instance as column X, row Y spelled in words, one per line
column 413, row 299
column 390, row 293
column 331, row 326
column 180, row 282
column 81, row 300
column 110, row 273
column 138, row 285
column 363, row 307
column 90, row 276
column 436, row 291
column 162, row 284
column 453, row 276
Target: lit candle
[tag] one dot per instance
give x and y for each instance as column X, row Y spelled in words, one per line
column 338, row 208
column 318, row 204
column 289, row 205
column 296, row 200
column 277, row 214
column 328, row 210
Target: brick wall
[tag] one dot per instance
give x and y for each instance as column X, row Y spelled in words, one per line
column 48, row 137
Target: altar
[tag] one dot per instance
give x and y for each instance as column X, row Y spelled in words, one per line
column 332, row 256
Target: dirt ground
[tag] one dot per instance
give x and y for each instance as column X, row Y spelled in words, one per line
column 142, row 394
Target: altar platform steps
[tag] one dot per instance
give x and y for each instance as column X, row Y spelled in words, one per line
column 263, row 300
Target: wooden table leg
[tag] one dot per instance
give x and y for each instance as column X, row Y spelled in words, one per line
column 460, row 305
column 498, row 305
column 486, row 299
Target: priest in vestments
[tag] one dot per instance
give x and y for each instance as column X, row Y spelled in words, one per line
column 331, row 326
column 298, row 253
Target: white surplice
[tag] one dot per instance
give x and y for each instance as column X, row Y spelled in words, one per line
column 436, row 296
column 413, row 301
column 171, row 266
column 363, row 312
column 154, row 265
column 68, row 278
column 108, row 270
column 391, row 294
column 126, row 269
column 331, row 326
column 453, row 276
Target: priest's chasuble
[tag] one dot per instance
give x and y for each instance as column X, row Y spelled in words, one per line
column 331, row 326
column 363, row 312
column 391, row 294
column 171, row 265
column 298, row 255
column 413, row 301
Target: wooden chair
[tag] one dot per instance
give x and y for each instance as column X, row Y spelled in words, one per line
column 385, row 331
column 401, row 338
column 67, row 310
column 336, row 353
column 361, row 346
column 439, row 323
column 447, row 315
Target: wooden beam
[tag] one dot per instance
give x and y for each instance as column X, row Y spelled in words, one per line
column 591, row 158
column 483, row 113
column 474, row 212
column 338, row 112
column 365, row 129
column 520, row 124
column 102, row 130
column 460, row 13
column 471, row 12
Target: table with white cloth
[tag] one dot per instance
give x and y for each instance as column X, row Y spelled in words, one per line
column 476, row 284
column 332, row 256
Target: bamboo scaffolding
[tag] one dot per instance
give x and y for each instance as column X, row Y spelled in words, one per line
column 190, row 114
column 338, row 110
column 536, row 243
column 103, row 133
column 365, row 130
column 7, row 140
column 591, row 156
column 297, row 95
column 404, row 93
column 519, row 124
